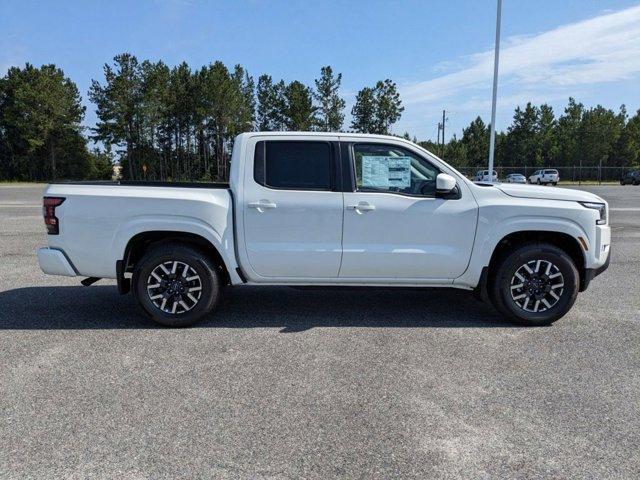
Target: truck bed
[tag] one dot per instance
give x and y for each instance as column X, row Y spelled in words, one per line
column 143, row 183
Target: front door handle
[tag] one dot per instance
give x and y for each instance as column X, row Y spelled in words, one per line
column 262, row 205
column 362, row 207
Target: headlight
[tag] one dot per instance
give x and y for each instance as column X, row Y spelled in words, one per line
column 601, row 208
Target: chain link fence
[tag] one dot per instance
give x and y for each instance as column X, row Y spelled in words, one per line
column 575, row 174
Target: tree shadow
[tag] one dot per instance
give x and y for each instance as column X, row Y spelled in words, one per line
column 290, row 310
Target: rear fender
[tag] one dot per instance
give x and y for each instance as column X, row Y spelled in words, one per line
column 221, row 241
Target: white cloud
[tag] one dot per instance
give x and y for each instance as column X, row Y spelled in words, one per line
column 605, row 48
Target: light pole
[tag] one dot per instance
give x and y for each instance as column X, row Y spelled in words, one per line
column 492, row 137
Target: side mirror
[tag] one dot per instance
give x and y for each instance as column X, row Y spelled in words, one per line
column 445, row 183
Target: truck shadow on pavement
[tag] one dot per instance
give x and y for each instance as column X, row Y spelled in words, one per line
column 291, row 310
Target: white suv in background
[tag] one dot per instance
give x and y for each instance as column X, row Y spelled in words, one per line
column 483, row 176
column 545, row 177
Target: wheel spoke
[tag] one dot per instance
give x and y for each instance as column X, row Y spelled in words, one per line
column 155, row 297
column 538, row 266
column 535, row 307
column 164, row 269
column 547, row 304
column 185, row 271
column 156, row 276
column 164, row 302
column 548, row 268
column 192, row 298
column 527, row 268
column 174, row 267
column 515, row 287
column 558, row 285
column 174, row 306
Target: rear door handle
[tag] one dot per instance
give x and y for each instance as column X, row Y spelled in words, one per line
column 362, row 207
column 262, row 205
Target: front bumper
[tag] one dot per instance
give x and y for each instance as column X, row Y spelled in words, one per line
column 55, row 262
column 591, row 273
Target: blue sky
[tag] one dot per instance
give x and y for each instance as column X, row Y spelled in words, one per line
column 438, row 52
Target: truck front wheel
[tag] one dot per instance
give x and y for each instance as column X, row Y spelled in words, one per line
column 534, row 284
column 176, row 285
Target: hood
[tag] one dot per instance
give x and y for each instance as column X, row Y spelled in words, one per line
column 547, row 193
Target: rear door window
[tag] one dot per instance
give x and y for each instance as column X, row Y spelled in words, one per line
column 293, row 165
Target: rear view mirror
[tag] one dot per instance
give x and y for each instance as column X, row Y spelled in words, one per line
column 445, row 183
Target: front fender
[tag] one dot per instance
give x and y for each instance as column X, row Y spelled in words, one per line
column 490, row 234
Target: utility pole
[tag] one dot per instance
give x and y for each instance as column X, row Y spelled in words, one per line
column 492, row 140
column 438, row 141
column 443, row 121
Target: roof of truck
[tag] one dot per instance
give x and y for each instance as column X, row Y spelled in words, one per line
column 323, row 134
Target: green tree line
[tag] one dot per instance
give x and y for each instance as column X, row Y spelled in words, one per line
column 588, row 137
column 164, row 122
column 179, row 123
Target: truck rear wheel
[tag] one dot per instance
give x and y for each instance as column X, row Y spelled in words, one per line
column 535, row 284
column 176, row 285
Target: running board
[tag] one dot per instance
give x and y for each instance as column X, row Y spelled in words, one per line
column 87, row 282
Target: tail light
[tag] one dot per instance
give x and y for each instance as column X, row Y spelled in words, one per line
column 49, row 205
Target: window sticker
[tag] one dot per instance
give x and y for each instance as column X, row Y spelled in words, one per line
column 386, row 172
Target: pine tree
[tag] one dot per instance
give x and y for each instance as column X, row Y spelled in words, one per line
column 521, row 145
column 300, row 114
column 40, row 115
column 270, row 104
column 567, row 131
column 119, row 104
column 388, row 106
column 363, row 112
column 547, row 139
column 475, row 142
column 331, row 105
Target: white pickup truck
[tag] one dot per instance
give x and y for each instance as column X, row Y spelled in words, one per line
column 325, row 209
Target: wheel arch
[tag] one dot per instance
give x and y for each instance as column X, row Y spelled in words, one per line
column 141, row 242
column 566, row 242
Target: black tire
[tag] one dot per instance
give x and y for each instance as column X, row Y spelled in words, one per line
column 554, row 183
column 504, row 275
column 208, row 284
column 539, row 182
column 621, row 182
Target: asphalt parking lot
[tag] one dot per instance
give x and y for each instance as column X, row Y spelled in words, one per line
column 282, row 383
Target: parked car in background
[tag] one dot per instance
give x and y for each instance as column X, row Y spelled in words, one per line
column 483, row 176
column 516, row 178
column 545, row 177
column 631, row 178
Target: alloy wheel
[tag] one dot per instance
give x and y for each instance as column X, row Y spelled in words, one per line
column 174, row 287
column 537, row 286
